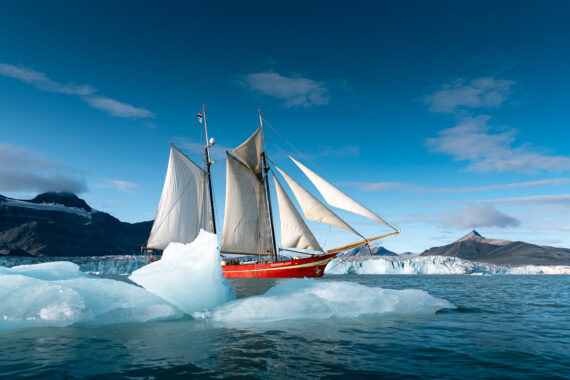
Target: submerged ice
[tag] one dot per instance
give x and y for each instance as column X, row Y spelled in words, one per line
column 305, row 299
column 59, row 294
column 188, row 275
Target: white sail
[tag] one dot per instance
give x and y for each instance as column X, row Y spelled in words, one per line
column 246, row 224
column 250, row 151
column 184, row 206
column 294, row 230
column 337, row 198
column 313, row 208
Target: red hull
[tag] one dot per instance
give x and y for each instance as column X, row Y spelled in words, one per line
column 310, row 267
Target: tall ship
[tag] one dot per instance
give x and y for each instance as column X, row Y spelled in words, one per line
column 187, row 205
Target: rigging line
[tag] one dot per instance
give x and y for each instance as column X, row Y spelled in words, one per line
column 328, row 234
column 303, row 155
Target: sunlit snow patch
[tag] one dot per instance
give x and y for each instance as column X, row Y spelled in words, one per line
column 188, row 275
column 59, row 294
column 313, row 299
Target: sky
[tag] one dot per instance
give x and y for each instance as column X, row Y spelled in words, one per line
column 441, row 116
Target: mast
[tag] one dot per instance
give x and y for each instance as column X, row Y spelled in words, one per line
column 265, row 171
column 208, row 165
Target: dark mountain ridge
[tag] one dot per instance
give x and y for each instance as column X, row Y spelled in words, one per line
column 475, row 247
column 62, row 224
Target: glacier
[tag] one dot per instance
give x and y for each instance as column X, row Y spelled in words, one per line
column 60, row 294
column 98, row 265
column 434, row 265
column 188, row 275
column 309, row 299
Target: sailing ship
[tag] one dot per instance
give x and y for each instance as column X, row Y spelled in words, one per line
column 186, row 206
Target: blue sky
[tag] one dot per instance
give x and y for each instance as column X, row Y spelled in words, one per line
column 442, row 116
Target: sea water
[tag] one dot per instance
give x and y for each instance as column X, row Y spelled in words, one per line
column 488, row 326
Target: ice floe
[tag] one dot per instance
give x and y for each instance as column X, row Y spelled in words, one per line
column 59, row 294
column 307, row 299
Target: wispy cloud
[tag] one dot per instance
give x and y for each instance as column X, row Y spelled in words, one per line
column 117, row 184
column 295, row 91
column 41, row 81
column 117, row 108
column 340, row 151
column 476, row 217
column 86, row 92
column 23, row 170
column 489, row 149
column 482, row 92
column 382, row 186
column 561, row 200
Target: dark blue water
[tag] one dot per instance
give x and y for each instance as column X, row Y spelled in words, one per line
column 504, row 326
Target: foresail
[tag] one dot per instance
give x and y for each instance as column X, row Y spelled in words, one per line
column 250, row 151
column 313, row 208
column 184, row 204
column 337, row 198
column 294, row 230
column 246, row 224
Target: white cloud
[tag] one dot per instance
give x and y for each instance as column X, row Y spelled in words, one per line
column 478, row 93
column 341, row 151
column 381, row 186
column 475, row 217
column 117, row 108
column 117, row 184
column 489, row 151
column 293, row 90
column 42, row 82
column 23, row 170
column 557, row 200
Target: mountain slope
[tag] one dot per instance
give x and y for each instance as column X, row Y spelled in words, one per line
column 61, row 224
column 475, row 247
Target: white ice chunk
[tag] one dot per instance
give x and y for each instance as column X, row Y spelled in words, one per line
column 317, row 299
column 59, row 294
column 188, row 275
column 55, row 270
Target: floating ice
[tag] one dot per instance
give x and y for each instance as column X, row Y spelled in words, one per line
column 188, row 275
column 59, row 294
column 434, row 265
column 316, row 299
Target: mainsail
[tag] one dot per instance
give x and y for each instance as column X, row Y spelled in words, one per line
column 313, row 208
column 250, row 151
column 337, row 198
column 294, row 230
column 184, row 203
column 246, row 222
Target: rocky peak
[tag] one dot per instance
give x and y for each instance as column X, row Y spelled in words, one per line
column 473, row 235
column 62, row 198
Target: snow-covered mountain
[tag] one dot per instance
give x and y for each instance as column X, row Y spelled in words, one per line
column 368, row 251
column 62, row 224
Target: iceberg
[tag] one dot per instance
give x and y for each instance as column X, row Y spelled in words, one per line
column 433, row 265
column 188, row 275
column 307, row 299
column 59, row 294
